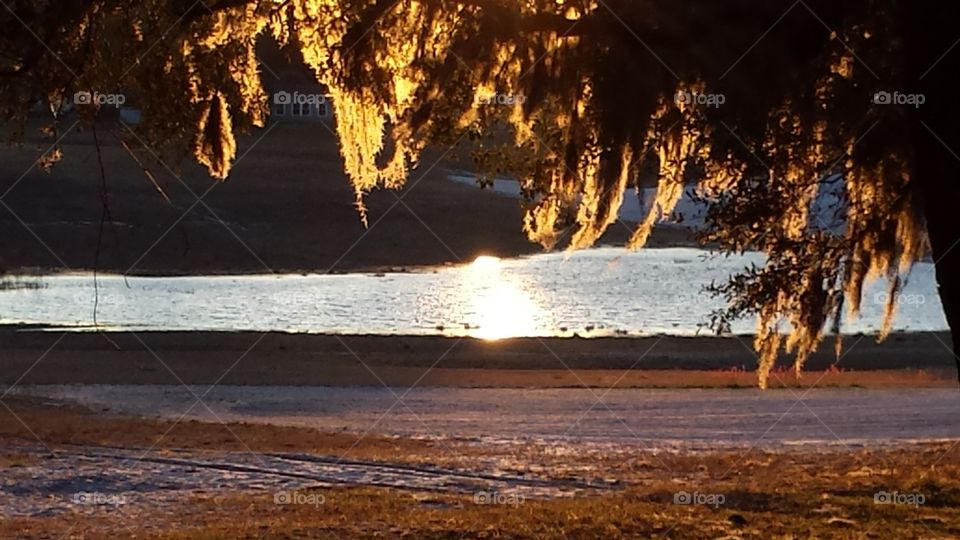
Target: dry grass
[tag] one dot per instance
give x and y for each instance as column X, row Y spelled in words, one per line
column 784, row 494
column 762, row 511
column 29, row 420
column 10, row 460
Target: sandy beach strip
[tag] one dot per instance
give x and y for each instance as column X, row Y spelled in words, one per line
column 54, row 357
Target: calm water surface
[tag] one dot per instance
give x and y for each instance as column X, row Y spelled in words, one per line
column 598, row 292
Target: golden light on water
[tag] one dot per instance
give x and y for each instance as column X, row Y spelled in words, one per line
column 499, row 308
column 485, row 263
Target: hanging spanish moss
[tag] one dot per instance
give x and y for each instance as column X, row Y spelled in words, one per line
column 580, row 100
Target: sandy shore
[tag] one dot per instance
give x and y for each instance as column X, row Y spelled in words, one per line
column 33, row 357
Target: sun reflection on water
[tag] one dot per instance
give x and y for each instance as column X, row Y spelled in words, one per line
column 498, row 307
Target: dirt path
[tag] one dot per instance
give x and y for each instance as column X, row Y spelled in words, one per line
column 567, row 418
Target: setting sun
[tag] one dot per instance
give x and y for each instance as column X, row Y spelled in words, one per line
column 485, row 262
column 498, row 307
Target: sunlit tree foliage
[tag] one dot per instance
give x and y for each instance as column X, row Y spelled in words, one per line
column 579, row 99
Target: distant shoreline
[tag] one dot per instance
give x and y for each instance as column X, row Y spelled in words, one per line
column 286, row 207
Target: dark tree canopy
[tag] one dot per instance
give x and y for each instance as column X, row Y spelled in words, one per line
column 762, row 104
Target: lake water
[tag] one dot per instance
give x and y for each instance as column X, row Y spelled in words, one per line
column 606, row 291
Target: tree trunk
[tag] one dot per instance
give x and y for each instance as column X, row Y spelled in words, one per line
column 941, row 197
column 933, row 62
